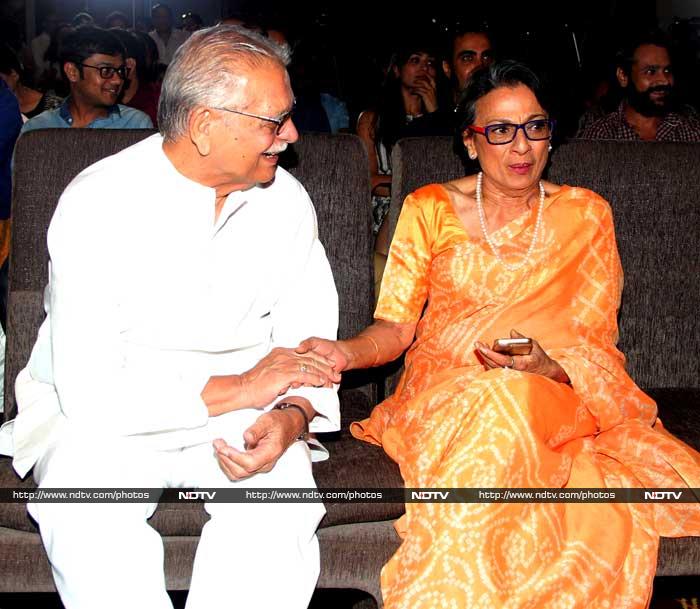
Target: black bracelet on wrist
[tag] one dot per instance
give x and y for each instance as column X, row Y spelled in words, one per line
column 284, row 406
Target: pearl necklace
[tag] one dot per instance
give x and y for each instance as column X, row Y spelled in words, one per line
column 482, row 221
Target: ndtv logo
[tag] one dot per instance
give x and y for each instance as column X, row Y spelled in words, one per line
column 430, row 495
column 662, row 494
column 190, row 495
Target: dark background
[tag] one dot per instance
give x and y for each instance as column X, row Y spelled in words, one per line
column 350, row 43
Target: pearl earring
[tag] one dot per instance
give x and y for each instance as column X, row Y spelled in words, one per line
column 472, row 156
column 550, row 148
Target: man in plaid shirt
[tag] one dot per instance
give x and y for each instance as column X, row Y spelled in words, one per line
column 648, row 110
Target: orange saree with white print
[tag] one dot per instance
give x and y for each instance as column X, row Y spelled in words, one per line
column 451, row 424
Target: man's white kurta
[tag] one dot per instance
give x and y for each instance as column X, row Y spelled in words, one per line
column 148, row 297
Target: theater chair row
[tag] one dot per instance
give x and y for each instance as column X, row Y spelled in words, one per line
column 654, row 190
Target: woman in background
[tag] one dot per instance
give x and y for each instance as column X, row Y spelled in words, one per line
column 31, row 102
column 139, row 91
column 410, row 90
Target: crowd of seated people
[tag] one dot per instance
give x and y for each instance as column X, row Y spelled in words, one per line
column 58, row 85
column 421, row 89
column 465, row 45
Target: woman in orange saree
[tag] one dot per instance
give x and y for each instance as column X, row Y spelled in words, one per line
column 490, row 254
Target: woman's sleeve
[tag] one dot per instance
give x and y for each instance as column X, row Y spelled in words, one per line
column 594, row 364
column 405, row 283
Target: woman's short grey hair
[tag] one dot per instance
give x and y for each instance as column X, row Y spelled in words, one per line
column 206, row 70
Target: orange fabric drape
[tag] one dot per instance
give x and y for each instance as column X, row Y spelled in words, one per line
column 451, row 424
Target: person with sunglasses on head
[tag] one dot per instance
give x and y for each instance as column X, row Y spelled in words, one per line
column 93, row 61
column 498, row 255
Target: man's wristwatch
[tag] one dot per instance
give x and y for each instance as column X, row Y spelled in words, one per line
column 284, row 406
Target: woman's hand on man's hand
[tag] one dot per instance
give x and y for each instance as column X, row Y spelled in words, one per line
column 284, row 369
column 329, row 350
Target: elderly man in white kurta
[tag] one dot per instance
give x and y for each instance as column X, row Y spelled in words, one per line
column 184, row 270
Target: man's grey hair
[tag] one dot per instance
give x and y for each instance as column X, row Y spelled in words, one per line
column 206, row 71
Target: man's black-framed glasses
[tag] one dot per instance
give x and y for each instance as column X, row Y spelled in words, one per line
column 106, row 72
column 281, row 121
column 504, row 133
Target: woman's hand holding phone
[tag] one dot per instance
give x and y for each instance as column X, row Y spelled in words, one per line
column 520, row 353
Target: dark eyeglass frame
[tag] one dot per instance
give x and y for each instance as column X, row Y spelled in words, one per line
column 281, row 121
column 106, row 72
column 486, row 131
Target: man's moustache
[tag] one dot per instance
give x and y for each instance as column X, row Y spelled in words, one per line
column 660, row 89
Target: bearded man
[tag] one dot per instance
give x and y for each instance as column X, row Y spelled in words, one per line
column 649, row 110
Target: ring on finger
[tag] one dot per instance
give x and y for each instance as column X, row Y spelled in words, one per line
column 512, row 363
column 302, row 368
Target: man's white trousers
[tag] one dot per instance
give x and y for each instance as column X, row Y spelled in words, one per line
column 106, row 555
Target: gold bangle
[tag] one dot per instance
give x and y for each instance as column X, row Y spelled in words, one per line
column 376, row 348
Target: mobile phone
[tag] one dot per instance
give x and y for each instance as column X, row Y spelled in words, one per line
column 513, row 346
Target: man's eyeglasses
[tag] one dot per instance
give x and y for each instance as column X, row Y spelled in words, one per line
column 504, row 133
column 280, row 121
column 106, row 72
